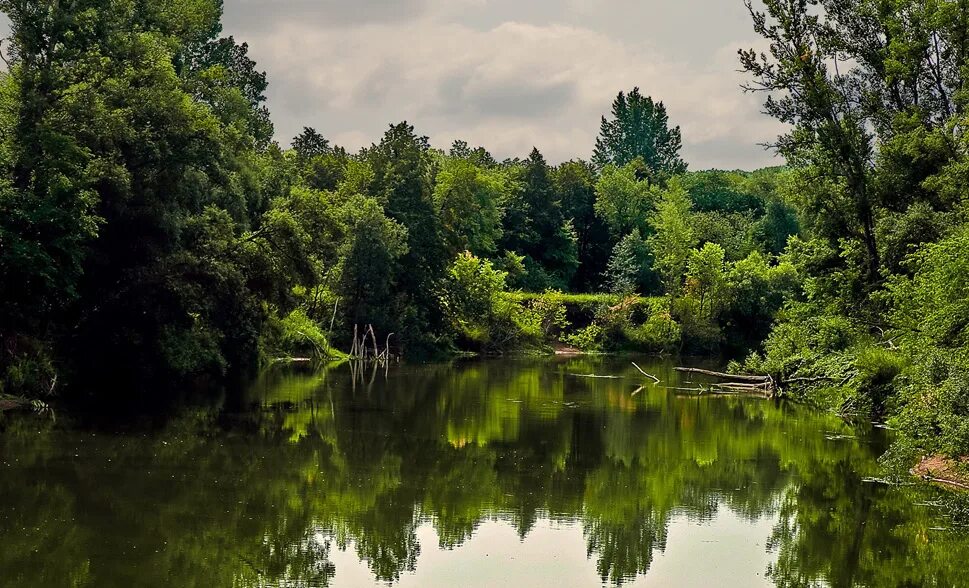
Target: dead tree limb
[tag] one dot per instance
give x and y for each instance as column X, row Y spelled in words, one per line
column 724, row 376
column 650, row 376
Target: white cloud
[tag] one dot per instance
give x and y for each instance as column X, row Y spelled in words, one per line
column 508, row 88
column 505, row 74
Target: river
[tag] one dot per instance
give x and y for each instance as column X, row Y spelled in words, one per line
column 512, row 472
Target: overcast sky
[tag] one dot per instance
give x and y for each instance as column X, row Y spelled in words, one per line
column 506, row 74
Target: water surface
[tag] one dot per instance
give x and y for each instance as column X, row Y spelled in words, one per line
column 479, row 473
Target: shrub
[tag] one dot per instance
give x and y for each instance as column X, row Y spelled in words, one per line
column 590, row 338
column 659, row 333
column 294, row 334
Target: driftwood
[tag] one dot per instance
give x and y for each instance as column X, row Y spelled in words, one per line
column 737, row 382
column 724, row 376
column 650, row 376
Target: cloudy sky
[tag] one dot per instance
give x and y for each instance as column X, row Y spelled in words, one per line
column 506, row 74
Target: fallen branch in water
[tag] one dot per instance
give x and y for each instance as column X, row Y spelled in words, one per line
column 743, row 386
column 722, row 375
column 595, row 376
column 737, row 382
column 651, row 376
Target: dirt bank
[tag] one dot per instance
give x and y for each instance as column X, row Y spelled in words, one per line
column 942, row 470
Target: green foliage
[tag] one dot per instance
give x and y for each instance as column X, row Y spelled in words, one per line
column 366, row 273
column 535, row 227
column 623, row 200
column 930, row 317
column 483, row 315
column 706, row 279
column 544, row 317
column 472, row 300
column 660, row 332
column 629, row 269
column 575, row 182
column 672, row 237
column 467, row 199
column 295, row 334
column 589, row 338
column 402, row 180
column 720, row 191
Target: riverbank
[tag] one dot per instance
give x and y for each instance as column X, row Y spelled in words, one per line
column 946, row 472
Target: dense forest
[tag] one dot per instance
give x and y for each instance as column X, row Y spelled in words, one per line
column 154, row 234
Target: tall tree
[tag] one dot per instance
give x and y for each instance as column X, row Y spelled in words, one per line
column 534, row 226
column 139, row 141
column 869, row 89
column 639, row 128
column 403, row 183
column 575, row 187
column 468, row 201
column 673, row 237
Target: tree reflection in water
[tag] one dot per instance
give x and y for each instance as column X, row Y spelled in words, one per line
column 314, row 462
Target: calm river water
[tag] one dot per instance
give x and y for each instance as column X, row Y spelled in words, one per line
column 479, row 473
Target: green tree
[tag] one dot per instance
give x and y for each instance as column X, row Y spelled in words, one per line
column 468, row 203
column 629, row 269
column 639, row 128
column 706, row 277
column 575, row 185
column 672, row 238
column 623, row 200
column 535, row 227
column 403, row 184
column 367, row 270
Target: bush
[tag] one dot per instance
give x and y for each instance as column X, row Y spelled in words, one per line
column 294, row 334
column 877, row 368
column 544, row 317
column 590, row 338
column 472, row 301
column 26, row 368
column 659, row 333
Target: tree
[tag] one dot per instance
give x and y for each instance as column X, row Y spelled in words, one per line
column 138, row 186
column 856, row 130
column 479, row 156
column 639, row 128
column 706, row 277
column 367, row 271
column 48, row 195
column 402, row 183
column 224, row 77
column 672, row 237
column 623, row 200
column 467, row 200
column 535, row 227
column 629, row 266
column 574, row 183
column 309, row 144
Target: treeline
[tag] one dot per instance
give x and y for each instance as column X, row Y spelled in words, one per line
column 151, row 230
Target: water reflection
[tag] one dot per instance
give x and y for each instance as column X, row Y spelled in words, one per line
column 315, row 464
